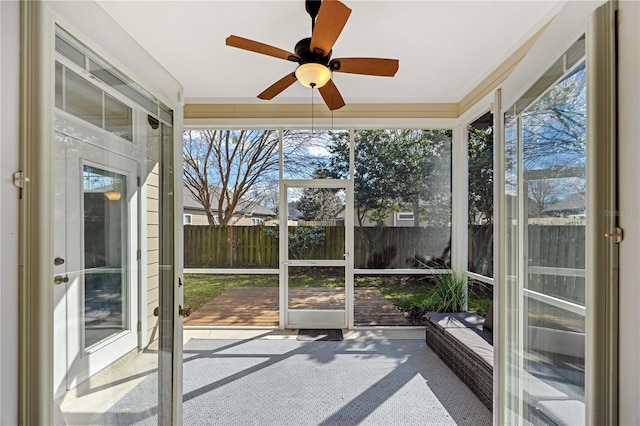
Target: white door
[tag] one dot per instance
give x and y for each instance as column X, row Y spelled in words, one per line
column 98, row 236
column 96, row 266
column 316, row 286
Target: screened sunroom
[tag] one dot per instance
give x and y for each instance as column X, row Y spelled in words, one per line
column 461, row 159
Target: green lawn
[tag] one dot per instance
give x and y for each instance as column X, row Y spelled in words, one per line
column 401, row 291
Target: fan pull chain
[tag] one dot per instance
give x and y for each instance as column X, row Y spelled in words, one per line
column 332, row 113
column 312, row 87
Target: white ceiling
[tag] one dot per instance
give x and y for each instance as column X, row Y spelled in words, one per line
column 445, row 48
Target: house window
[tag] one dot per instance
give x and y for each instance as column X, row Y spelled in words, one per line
column 187, row 219
column 255, row 221
column 404, row 216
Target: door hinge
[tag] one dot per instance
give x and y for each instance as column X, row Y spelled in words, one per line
column 139, row 254
column 139, row 180
column 19, row 179
column 139, row 326
column 616, row 234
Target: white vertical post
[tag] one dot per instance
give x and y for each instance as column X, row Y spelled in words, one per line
column 499, row 263
column 283, row 215
column 350, row 232
column 459, row 200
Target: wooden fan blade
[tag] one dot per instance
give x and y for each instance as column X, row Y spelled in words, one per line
column 277, row 87
column 257, row 47
column 331, row 19
column 368, row 66
column 331, row 96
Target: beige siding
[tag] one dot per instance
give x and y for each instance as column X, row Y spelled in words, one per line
column 153, row 231
column 153, row 254
column 153, row 243
column 243, row 221
column 152, row 204
column 154, row 293
column 199, row 219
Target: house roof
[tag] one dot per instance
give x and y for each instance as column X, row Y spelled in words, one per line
column 571, row 202
column 250, row 208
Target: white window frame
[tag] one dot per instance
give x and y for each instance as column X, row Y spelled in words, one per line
column 187, row 219
column 404, row 216
column 458, row 237
column 485, row 105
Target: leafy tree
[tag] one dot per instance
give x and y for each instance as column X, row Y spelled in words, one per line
column 480, row 192
column 480, row 154
column 393, row 168
column 319, row 203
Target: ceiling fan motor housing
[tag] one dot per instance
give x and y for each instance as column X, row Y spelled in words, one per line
column 303, row 50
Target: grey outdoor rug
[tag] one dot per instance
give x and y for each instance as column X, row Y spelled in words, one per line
column 291, row 382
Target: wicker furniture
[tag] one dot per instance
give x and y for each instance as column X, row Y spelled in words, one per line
column 465, row 344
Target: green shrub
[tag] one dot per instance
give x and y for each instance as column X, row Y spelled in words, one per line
column 450, row 293
column 303, row 240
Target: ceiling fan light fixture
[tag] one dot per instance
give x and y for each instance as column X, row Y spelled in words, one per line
column 313, row 74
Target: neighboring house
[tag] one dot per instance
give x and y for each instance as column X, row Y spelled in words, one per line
column 405, row 217
column 248, row 213
column 570, row 206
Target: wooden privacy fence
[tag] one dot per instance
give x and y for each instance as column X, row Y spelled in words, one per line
column 556, row 254
column 402, row 247
column 229, row 247
column 556, row 261
column 253, row 247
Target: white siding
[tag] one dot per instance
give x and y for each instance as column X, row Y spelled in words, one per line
column 153, row 253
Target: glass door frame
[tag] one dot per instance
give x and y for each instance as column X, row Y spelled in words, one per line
column 86, row 154
column 38, row 20
column 316, row 316
column 601, row 346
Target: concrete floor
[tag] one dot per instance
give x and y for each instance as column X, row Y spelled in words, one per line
column 92, row 398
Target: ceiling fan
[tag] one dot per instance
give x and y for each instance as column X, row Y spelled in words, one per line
column 313, row 55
